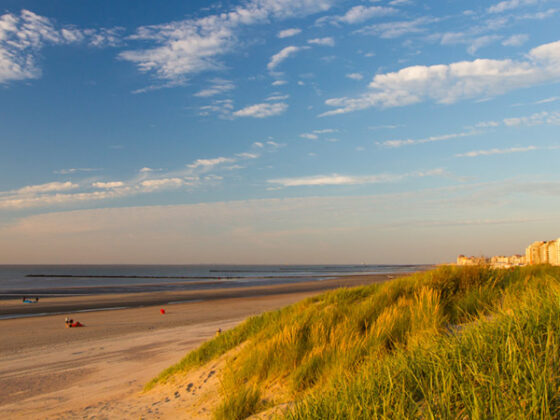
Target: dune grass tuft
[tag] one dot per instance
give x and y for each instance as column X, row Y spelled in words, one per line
column 470, row 342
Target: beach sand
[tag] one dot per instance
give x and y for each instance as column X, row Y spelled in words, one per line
column 49, row 371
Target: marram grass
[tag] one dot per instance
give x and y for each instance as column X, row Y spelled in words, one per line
column 455, row 342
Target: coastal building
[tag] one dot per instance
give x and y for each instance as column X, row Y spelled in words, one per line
column 539, row 252
column 543, row 252
column 553, row 252
column 463, row 260
column 517, row 260
column 533, row 252
column 507, row 261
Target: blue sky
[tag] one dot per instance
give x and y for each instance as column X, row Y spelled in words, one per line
column 280, row 131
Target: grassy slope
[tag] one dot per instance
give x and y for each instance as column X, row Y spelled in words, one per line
column 452, row 342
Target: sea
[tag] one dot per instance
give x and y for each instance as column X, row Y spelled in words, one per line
column 72, row 280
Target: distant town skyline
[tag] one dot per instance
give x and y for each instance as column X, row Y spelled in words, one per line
column 284, row 131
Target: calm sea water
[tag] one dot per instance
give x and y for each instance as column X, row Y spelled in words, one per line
column 42, row 280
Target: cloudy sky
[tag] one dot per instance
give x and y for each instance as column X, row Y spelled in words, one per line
column 277, row 131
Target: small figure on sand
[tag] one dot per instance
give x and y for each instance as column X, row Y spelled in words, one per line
column 25, row 299
column 70, row 323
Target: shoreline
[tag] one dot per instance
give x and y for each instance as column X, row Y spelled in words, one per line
column 118, row 351
column 14, row 309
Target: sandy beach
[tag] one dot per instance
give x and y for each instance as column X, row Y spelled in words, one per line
column 49, row 371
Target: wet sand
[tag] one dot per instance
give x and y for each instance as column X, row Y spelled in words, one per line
column 49, row 371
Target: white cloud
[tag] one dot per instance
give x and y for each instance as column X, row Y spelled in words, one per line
column 216, row 87
column 515, row 40
column 336, row 179
column 309, row 136
column 497, row 151
column 262, row 110
column 327, row 41
column 279, row 83
column 358, row 14
column 286, row 33
column 190, row 46
column 282, row 55
column 355, row 76
column 509, row 5
column 23, row 36
column 449, row 83
column 108, row 185
column 443, row 137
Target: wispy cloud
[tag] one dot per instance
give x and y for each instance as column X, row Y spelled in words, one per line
column 510, row 5
column 336, row 179
column 198, row 173
column 515, row 40
column 538, row 118
column 389, row 30
column 443, row 137
column 191, row 46
column 48, row 187
column 489, row 152
column 108, row 185
column 276, row 97
column 23, row 36
column 449, row 83
column 207, row 164
column 547, row 100
column 287, row 33
column 357, row 14
column 262, row 110
column 75, row 170
column 327, row 41
column 222, row 107
column 216, row 87
column 355, row 76
column 314, row 135
column 282, row 55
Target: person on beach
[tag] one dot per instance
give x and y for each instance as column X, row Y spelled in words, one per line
column 71, row 324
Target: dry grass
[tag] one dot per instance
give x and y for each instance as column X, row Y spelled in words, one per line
column 452, row 342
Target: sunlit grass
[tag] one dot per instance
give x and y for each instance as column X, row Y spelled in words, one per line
column 470, row 342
